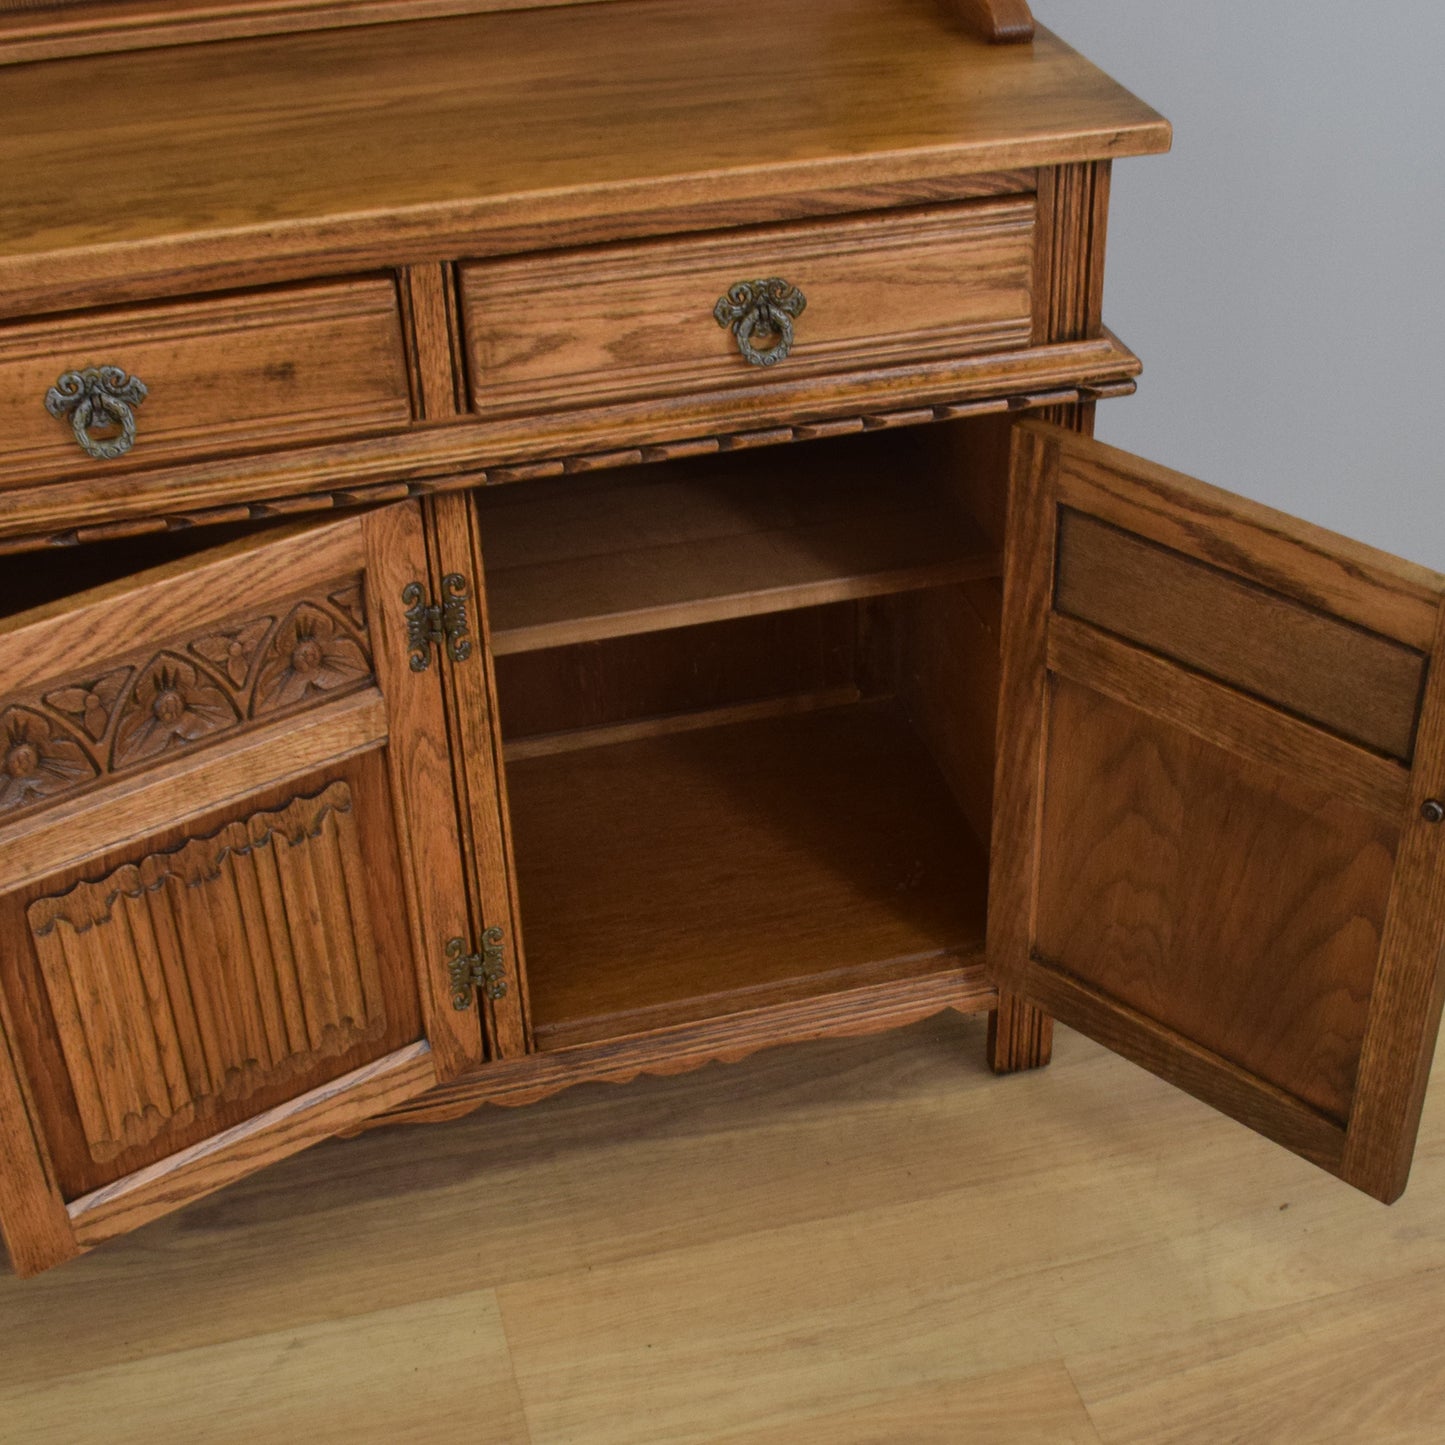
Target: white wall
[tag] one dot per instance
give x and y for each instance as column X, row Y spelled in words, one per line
column 1280, row 273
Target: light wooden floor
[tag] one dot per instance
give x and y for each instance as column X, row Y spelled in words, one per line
column 868, row 1240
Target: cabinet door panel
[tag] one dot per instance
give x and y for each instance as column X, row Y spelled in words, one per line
column 229, row 867
column 206, row 972
column 1220, row 732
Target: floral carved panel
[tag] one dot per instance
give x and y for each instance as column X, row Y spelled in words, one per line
column 188, row 691
column 190, row 978
column 310, row 654
column 171, row 704
column 41, row 760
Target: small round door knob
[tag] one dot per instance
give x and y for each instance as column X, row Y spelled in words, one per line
column 1433, row 811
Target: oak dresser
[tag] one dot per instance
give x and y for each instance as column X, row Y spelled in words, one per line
column 548, row 543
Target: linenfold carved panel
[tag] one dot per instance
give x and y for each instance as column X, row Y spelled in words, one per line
column 198, row 976
column 168, row 698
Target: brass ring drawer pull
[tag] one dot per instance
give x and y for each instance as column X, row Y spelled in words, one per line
column 761, row 308
column 98, row 396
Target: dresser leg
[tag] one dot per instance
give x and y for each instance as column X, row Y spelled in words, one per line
column 1019, row 1036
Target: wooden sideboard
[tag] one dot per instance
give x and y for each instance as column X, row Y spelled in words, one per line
column 548, row 544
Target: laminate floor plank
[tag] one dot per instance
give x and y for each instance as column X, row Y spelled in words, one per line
column 860, row 1240
column 1034, row 1406
column 436, row 1374
column 601, row 1176
column 775, row 1327
column 1363, row 1365
column 593, row 1176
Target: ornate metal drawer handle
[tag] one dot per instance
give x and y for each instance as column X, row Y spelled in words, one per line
column 98, row 396
column 755, row 308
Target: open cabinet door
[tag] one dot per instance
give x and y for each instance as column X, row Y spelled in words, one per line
column 229, row 872
column 1218, row 843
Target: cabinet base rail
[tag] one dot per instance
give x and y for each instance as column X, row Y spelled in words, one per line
column 873, row 1009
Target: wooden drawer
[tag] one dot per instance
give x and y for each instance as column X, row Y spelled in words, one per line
column 223, row 375
column 620, row 322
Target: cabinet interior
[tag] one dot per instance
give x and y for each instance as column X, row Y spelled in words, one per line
column 748, row 706
column 30, row 580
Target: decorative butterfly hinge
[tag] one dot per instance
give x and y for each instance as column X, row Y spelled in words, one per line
column 441, row 624
column 470, row 971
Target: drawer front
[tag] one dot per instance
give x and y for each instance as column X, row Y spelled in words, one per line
column 221, row 376
column 620, row 322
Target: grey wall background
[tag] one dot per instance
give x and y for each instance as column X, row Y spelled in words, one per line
column 1282, row 272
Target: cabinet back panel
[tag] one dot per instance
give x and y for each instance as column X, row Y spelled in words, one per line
column 667, row 879
column 678, row 543
column 691, row 669
column 948, row 681
column 970, row 457
column 52, row 1039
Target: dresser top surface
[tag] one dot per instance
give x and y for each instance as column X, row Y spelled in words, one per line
column 542, row 113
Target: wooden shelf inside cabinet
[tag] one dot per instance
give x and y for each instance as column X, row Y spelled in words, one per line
column 705, row 539
column 702, row 873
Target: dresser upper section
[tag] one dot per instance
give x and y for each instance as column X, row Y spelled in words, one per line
column 149, row 173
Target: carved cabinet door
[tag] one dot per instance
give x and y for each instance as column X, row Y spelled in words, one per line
column 229, row 874
column 1219, row 842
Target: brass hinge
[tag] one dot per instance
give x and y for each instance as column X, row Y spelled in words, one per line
column 430, row 624
column 469, row 971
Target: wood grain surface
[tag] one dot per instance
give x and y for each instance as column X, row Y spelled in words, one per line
column 1008, row 22
column 205, row 965
column 431, row 320
column 1020, row 1036
column 1150, row 890
column 395, row 467
column 44, row 29
column 225, row 375
column 218, row 967
column 853, row 1007
column 684, row 876
column 639, row 679
column 1410, row 989
column 1069, row 255
column 94, row 626
column 36, row 1229
column 1229, row 902
column 1353, row 682
column 700, row 540
column 194, row 1172
column 428, row 863
column 213, row 970
column 841, row 1243
column 947, row 680
column 162, row 692
column 532, row 118
column 475, row 733
column 138, row 803
column 580, row 327
column 1070, row 251
column 1252, row 729
column 1304, row 563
